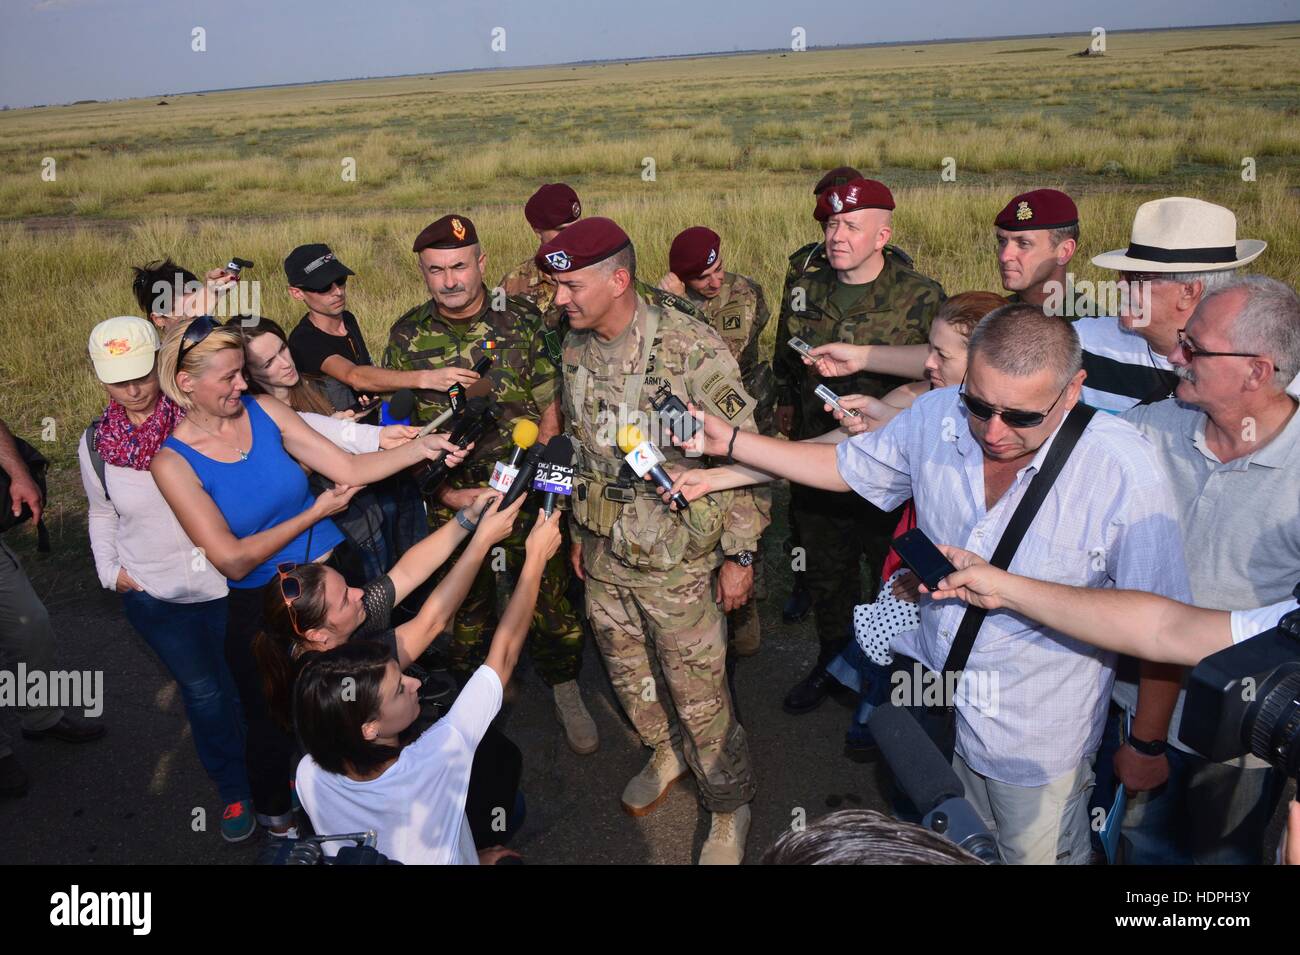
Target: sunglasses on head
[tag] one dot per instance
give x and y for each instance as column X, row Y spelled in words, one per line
column 1010, row 417
column 290, row 590
column 195, row 332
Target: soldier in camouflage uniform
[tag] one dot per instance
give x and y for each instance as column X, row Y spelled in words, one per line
column 865, row 294
column 452, row 328
column 654, row 577
column 733, row 306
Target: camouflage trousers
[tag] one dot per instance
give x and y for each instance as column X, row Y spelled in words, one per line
column 837, row 531
column 666, row 650
column 556, row 640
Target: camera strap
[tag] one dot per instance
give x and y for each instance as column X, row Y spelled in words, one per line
column 1066, row 438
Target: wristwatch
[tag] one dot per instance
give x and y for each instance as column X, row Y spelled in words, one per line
column 1148, row 748
column 463, row 520
column 745, row 558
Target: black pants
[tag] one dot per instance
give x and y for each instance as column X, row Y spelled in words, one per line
column 838, row 530
column 268, row 749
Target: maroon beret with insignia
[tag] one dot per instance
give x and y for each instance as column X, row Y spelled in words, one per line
column 449, row 232
column 552, row 206
column 584, row 243
column 836, row 177
column 852, row 196
column 1039, row 209
column 693, row 252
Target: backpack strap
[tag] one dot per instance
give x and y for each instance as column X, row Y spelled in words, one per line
column 96, row 460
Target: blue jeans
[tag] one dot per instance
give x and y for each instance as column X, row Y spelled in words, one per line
column 190, row 640
column 1205, row 814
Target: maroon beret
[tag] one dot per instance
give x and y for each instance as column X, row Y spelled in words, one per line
column 449, row 232
column 584, row 243
column 693, row 251
column 1039, row 209
column 852, row 196
column 838, row 176
column 552, row 206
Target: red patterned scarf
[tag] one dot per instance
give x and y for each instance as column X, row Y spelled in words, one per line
column 125, row 445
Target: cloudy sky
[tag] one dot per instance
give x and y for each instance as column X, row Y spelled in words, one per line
column 57, row 51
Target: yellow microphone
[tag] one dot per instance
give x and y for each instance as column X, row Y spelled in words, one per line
column 524, row 436
column 644, row 458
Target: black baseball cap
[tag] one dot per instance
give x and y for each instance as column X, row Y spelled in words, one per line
column 314, row 267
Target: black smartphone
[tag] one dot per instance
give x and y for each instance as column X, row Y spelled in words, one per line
column 364, row 409
column 923, row 558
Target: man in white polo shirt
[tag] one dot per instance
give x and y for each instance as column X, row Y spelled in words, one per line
column 1230, row 442
column 1180, row 250
column 1108, row 520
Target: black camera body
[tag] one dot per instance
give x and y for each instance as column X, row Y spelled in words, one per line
column 1246, row 699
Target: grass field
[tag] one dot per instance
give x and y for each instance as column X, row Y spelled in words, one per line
column 736, row 141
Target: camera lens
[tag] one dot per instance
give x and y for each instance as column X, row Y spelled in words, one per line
column 1275, row 732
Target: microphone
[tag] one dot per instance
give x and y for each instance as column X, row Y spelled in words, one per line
column 479, row 415
column 644, row 458
column 398, row 408
column 555, row 473
column 524, row 437
column 523, row 481
column 928, row 780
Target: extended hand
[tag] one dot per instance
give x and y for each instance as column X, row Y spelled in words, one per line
column 838, row 359
column 976, row 582
column 395, row 435
column 443, row 378
column 713, row 438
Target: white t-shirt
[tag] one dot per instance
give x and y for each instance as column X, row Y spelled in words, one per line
column 417, row 807
column 1251, row 623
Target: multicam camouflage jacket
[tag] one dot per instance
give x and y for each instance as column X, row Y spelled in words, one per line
column 739, row 314
column 525, row 381
column 603, row 389
column 896, row 310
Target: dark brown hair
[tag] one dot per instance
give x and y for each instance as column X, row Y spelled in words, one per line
column 305, row 395
column 277, row 645
column 337, row 693
column 865, row 837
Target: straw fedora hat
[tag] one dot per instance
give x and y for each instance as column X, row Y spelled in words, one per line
column 1178, row 234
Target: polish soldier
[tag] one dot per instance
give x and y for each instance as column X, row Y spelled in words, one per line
column 455, row 328
column 866, row 294
column 733, row 305
column 1037, row 234
column 657, row 582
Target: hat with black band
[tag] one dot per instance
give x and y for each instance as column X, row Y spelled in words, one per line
column 1179, row 234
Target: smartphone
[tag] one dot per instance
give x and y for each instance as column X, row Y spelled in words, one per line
column 923, row 558
column 364, row 409
column 801, row 346
column 832, row 399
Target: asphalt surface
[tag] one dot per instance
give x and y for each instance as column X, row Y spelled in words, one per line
column 140, row 796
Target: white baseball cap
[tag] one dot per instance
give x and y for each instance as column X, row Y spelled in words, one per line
column 123, row 348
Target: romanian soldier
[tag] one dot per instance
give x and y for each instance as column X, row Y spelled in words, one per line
column 733, row 305
column 455, row 328
column 866, row 294
column 657, row 582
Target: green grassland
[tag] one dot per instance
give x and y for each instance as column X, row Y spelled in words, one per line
column 737, row 142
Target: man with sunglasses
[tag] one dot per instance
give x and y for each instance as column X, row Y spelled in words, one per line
column 1230, row 441
column 327, row 343
column 966, row 456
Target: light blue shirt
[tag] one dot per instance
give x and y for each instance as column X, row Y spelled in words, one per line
column 1108, row 521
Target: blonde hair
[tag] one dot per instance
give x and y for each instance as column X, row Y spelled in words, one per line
column 197, row 357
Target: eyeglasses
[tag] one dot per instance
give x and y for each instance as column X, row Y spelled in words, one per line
column 341, row 282
column 1191, row 350
column 290, row 590
column 1011, row 418
column 197, row 330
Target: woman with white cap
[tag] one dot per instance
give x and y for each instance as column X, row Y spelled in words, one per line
column 175, row 602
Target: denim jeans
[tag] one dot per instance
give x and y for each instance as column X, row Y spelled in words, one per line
column 190, row 640
column 1205, row 814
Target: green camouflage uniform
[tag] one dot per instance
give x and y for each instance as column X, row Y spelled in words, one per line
column 650, row 571
column 739, row 314
column 839, row 528
column 525, row 383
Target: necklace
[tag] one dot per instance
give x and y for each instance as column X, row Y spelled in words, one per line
column 243, row 455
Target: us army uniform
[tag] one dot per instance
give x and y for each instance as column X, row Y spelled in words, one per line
column 738, row 313
column 896, row 308
column 524, row 384
column 650, row 571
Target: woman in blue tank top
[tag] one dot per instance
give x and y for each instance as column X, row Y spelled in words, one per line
column 232, row 472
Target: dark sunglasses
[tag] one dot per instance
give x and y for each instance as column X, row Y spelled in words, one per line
column 1191, row 350
column 197, row 330
column 290, row 590
column 1011, row 418
column 341, row 282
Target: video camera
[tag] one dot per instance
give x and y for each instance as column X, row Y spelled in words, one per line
column 1246, row 699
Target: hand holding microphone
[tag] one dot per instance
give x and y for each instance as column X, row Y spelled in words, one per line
column 644, row 458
